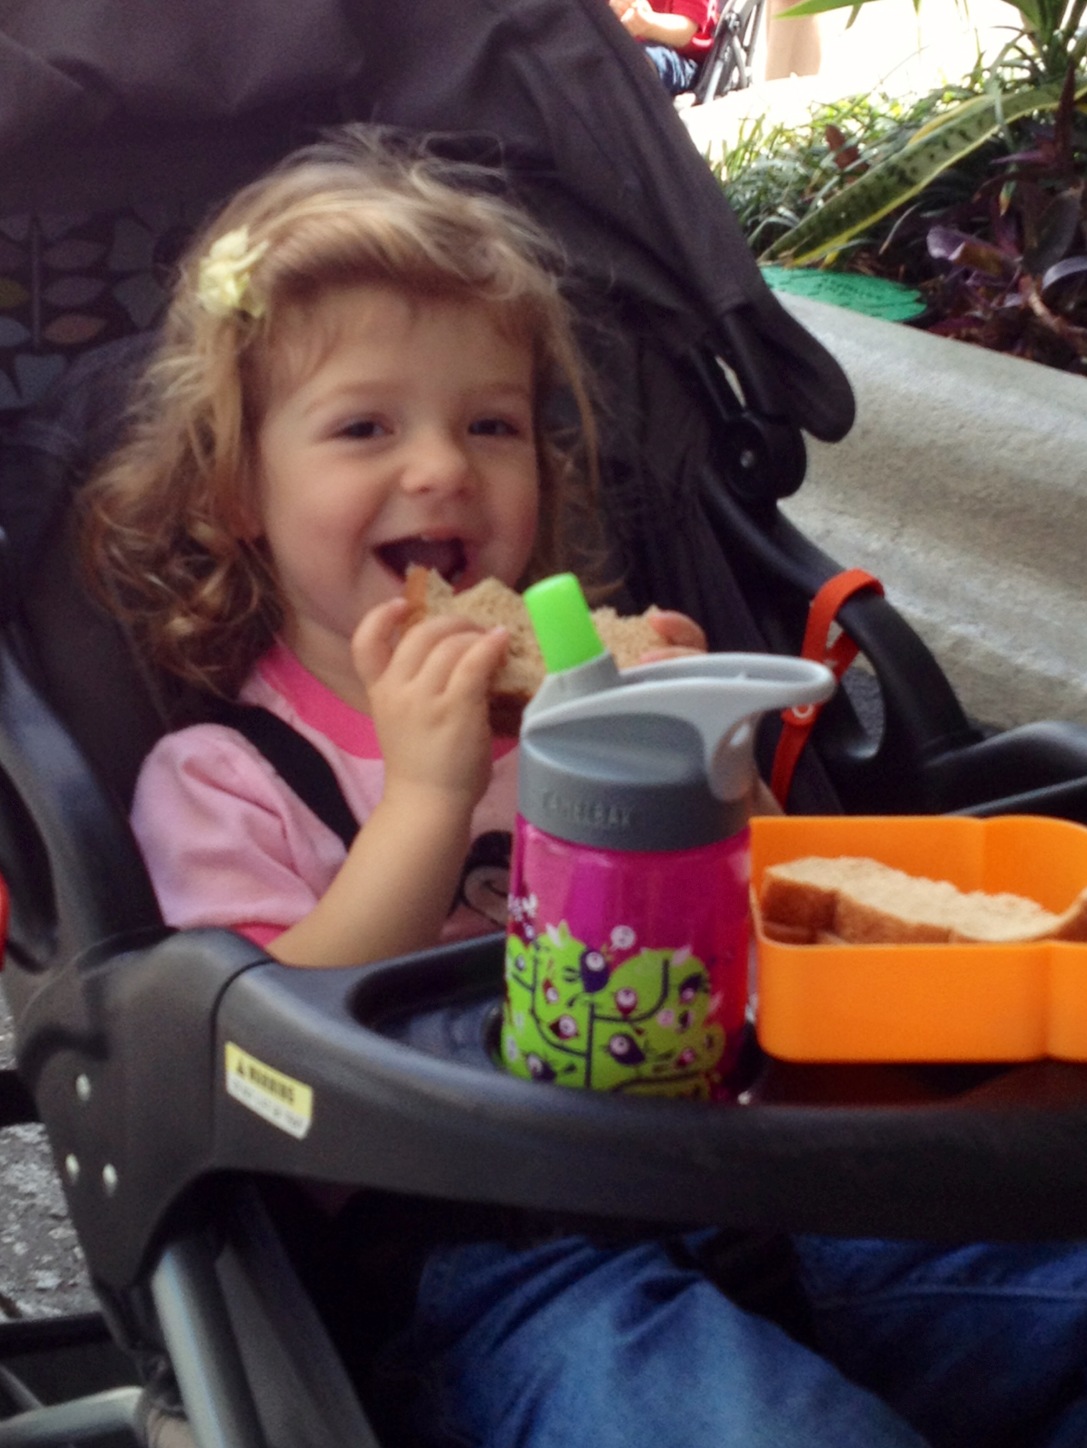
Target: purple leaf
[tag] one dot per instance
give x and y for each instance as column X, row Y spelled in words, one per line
column 1071, row 266
column 961, row 249
column 1056, row 231
column 945, row 242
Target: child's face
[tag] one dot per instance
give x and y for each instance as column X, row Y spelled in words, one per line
column 407, row 436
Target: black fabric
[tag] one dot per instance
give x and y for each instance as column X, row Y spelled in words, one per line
column 299, row 763
column 155, row 110
column 79, row 656
column 113, row 101
column 51, row 450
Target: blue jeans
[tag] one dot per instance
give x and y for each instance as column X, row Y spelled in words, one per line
column 981, row 1346
column 571, row 1343
column 676, row 71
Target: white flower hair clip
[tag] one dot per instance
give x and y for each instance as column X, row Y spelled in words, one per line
column 223, row 286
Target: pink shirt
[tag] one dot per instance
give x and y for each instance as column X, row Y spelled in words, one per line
column 228, row 843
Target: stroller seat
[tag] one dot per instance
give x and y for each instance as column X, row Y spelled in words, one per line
column 181, row 1074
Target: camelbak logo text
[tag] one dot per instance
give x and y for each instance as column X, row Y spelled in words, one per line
column 593, row 813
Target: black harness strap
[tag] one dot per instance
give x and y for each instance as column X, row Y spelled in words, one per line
column 300, row 764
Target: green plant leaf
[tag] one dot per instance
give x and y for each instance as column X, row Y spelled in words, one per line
column 896, row 180
column 819, row 7
column 1029, row 12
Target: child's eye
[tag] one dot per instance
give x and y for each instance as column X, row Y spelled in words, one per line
column 361, row 428
column 496, row 427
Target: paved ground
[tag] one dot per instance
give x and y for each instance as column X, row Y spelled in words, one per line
column 41, row 1268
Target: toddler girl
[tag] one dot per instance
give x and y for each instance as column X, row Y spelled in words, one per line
column 360, row 370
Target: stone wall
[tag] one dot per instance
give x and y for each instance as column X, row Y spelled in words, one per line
column 963, row 486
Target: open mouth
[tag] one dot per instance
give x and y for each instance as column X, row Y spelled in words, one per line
column 446, row 556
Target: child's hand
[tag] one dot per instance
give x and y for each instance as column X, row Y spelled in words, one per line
column 637, row 16
column 426, row 690
column 428, row 693
column 680, row 636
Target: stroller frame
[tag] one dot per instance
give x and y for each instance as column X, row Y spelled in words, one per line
column 728, row 63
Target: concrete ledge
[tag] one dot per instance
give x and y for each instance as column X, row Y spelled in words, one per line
column 963, row 487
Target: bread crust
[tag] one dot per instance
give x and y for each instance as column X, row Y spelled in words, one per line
column 417, row 594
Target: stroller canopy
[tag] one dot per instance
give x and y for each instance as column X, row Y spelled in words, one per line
column 102, row 100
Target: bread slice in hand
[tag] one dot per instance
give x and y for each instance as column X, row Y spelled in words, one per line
column 863, row 902
column 490, row 603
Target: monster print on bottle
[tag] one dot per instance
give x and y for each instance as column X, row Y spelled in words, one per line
column 617, row 1019
column 597, row 993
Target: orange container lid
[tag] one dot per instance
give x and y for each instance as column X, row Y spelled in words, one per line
column 957, row 1002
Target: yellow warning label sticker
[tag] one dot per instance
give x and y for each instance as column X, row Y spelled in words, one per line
column 279, row 1099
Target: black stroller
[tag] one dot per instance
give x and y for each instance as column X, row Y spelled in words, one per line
column 729, row 62
column 122, row 122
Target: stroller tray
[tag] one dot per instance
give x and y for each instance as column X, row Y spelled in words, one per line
column 928, row 1002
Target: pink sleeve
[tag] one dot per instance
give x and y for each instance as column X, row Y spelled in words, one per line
column 226, row 843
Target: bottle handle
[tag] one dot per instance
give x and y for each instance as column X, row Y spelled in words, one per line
column 721, row 695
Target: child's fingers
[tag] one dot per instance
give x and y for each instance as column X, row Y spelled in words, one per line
column 657, row 656
column 376, row 638
column 462, row 663
column 677, row 630
column 381, row 642
column 433, row 646
column 475, row 669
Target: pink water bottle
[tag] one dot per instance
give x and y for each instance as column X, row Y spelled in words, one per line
column 627, row 948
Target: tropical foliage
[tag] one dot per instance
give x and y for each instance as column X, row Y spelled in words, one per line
column 976, row 194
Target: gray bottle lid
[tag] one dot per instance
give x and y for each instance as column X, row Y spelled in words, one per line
column 659, row 757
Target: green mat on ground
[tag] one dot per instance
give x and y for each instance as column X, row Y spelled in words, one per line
column 872, row 296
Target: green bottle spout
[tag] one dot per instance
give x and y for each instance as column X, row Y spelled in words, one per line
column 562, row 622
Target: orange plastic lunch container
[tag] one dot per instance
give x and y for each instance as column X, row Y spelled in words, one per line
column 961, row 1002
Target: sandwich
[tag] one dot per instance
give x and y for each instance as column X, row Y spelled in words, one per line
column 859, row 901
column 490, row 603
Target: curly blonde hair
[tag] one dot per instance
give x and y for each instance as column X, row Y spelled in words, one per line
column 165, row 519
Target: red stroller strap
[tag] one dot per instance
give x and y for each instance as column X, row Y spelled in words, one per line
column 837, row 654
